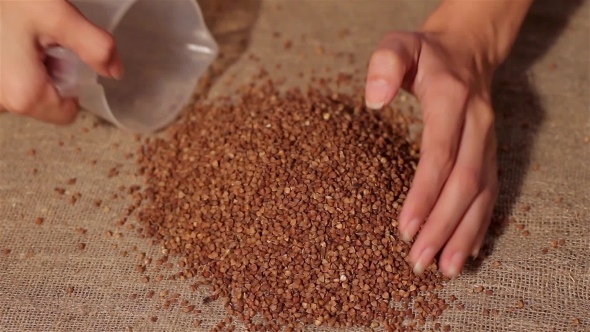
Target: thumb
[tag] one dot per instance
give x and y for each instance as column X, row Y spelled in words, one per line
column 390, row 64
column 95, row 46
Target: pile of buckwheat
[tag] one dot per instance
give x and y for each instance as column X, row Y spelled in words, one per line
column 287, row 204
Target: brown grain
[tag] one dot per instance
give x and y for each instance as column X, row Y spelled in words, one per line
column 39, row 221
column 81, row 246
column 189, row 308
column 287, row 205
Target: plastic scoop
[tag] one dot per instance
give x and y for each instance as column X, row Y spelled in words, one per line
column 165, row 47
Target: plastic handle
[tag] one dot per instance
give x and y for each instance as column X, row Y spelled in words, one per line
column 63, row 69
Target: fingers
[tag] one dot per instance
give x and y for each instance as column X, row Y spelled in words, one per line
column 26, row 88
column 96, row 47
column 463, row 240
column 444, row 110
column 481, row 235
column 388, row 66
column 493, row 188
column 50, row 108
column 463, row 186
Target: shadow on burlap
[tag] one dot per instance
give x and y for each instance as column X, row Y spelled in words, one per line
column 541, row 97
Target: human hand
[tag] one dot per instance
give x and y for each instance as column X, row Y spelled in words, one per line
column 28, row 27
column 455, row 186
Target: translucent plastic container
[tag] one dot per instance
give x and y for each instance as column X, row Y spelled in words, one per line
column 165, row 47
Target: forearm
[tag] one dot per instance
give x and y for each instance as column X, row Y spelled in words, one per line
column 490, row 25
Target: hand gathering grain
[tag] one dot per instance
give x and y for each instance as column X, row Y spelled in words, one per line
column 288, row 205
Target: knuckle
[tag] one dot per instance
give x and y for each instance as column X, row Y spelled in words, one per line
column 484, row 115
column 442, row 157
column 453, row 85
column 58, row 19
column 487, row 119
column 103, row 46
column 469, row 181
column 387, row 55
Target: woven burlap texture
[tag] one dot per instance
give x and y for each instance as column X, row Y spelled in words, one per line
column 542, row 100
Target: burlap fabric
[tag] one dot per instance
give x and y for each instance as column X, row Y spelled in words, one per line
column 542, row 98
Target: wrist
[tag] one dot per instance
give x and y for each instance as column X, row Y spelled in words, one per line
column 487, row 29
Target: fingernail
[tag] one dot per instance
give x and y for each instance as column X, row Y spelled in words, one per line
column 456, row 264
column 376, row 93
column 410, row 230
column 421, row 262
column 115, row 72
column 116, row 67
column 475, row 253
